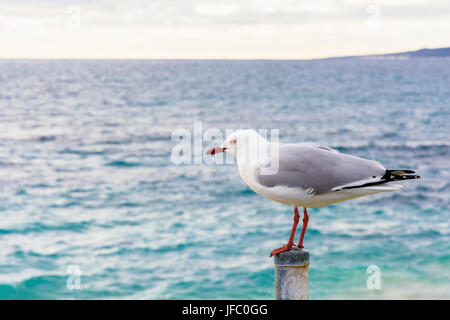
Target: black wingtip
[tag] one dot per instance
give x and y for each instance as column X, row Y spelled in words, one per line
column 396, row 175
column 400, row 172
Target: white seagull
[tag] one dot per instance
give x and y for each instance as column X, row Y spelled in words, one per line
column 306, row 174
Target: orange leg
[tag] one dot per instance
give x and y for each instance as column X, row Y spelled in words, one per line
column 290, row 243
column 305, row 224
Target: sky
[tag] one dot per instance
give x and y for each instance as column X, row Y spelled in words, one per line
column 225, row 29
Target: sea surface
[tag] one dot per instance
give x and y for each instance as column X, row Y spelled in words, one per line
column 93, row 207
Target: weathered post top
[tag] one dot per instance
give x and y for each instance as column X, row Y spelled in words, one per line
column 292, row 275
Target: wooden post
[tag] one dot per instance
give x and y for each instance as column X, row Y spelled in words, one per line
column 292, row 275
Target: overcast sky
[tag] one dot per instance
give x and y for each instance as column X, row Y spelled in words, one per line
column 278, row 29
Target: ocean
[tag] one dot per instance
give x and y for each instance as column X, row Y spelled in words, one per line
column 92, row 205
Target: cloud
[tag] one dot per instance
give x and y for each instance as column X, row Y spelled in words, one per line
column 222, row 28
column 216, row 9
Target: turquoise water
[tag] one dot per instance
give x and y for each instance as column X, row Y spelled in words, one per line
column 86, row 178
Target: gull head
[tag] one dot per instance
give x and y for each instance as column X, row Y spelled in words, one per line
column 241, row 142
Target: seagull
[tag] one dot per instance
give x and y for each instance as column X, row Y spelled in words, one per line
column 306, row 174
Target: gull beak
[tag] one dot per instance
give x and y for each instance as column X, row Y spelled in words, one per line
column 216, row 150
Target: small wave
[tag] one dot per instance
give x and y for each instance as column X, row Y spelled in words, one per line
column 119, row 223
column 21, row 192
column 46, row 138
column 129, row 205
column 227, row 193
column 82, row 152
column 37, row 287
column 123, row 163
column 424, row 234
column 146, row 250
column 114, row 142
column 40, row 227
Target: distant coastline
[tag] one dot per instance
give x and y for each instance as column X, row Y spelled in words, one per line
column 421, row 53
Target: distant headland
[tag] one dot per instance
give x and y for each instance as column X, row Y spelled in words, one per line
column 439, row 52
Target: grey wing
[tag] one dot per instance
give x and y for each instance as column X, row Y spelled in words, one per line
column 318, row 168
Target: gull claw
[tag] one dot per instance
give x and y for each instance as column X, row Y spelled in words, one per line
column 284, row 248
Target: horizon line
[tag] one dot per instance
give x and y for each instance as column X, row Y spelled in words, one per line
column 223, row 58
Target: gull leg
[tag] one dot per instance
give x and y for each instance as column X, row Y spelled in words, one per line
column 290, row 243
column 305, row 224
